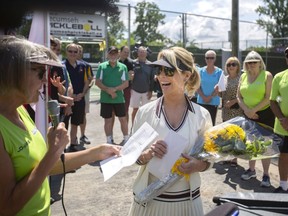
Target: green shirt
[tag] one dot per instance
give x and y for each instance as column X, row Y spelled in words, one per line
column 26, row 149
column 253, row 93
column 112, row 77
column 280, row 89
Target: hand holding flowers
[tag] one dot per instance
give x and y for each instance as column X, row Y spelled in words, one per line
column 238, row 137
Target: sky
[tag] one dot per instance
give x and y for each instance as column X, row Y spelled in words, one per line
column 207, row 31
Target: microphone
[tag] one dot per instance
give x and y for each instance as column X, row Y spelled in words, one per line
column 54, row 112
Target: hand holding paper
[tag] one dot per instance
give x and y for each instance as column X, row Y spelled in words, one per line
column 130, row 152
column 161, row 167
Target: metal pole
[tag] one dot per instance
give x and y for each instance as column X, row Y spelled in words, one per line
column 183, row 29
column 235, row 28
column 266, row 55
column 129, row 27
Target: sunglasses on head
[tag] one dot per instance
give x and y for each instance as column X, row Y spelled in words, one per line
column 168, row 71
column 252, row 62
column 233, row 64
column 40, row 72
column 209, row 58
column 72, row 51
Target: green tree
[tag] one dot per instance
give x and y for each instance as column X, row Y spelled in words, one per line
column 274, row 18
column 148, row 17
column 116, row 29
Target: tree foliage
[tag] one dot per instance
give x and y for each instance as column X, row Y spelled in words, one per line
column 276, row 22
column 116, row 29
column 148, row 17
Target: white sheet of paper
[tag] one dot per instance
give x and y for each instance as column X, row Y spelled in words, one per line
column 130, row 152
column 221, row 83
column 176, row 145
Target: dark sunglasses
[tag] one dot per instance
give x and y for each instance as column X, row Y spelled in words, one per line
column 209, row 58
column 72, row 51
column 168, row 71
column 231, row 64
column 40, row 72
column 252, row 62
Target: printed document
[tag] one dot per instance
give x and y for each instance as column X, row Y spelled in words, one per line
column 130, row 152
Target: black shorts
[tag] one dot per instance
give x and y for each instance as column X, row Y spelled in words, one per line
column 78, row 113
column 284, row 147
column 108, row 108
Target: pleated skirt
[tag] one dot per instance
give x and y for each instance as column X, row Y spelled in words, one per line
column 160, row 208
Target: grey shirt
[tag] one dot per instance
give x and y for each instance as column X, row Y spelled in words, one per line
column 143, row 77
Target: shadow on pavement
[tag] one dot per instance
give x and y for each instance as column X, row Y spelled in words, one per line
column 233, row 178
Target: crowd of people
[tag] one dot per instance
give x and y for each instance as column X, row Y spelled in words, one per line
column 188, row 104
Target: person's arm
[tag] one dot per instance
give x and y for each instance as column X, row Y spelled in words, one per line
column 124, row 85
column 279, row 114
column 75, row 160
column 15, row 194
column 110, row 91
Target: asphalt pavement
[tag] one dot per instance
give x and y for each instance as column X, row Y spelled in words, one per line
column 86, row 193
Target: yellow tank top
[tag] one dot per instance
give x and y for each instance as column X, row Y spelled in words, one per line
column 26, row 149
column 253, row 93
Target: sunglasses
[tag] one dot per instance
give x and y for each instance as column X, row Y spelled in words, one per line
column 231, row 64
column 72, row 51
column 168, row 71
column 252, row 62
column 209, row 58
column 40, row 72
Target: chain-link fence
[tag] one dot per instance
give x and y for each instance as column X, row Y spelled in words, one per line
column 213, row 33
column 204, row 32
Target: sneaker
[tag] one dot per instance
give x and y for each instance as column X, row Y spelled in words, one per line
column 84, row 140
column 73, row 148
column 110, row 141
column 265, row 181
column 248, row 174
column 280, row 190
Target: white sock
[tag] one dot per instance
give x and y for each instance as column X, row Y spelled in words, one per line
column 109, row 139
column 126, row 137
column 284, row 185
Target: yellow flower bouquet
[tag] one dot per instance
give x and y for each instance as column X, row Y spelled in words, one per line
column 238, row 137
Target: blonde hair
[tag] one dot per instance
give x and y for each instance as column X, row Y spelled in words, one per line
column 254, row 56
column 72, row 45
column 233, row 59
column 177, row 56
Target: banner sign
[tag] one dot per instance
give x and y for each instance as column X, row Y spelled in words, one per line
column 77, row 25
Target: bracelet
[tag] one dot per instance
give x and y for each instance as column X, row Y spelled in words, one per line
column 139, row 162
column 207, row 166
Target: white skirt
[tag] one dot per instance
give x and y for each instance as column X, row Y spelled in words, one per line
column 166, row 206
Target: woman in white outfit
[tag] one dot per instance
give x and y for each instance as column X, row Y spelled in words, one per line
column 173, row 111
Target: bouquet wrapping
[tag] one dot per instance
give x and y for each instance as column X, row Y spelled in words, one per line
column 236, row 138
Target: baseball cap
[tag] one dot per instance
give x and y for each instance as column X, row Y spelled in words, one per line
column 112, row 48
column 42, row 58
column 252, row 57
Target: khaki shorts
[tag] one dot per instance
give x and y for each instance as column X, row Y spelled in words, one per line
column 138, row 99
